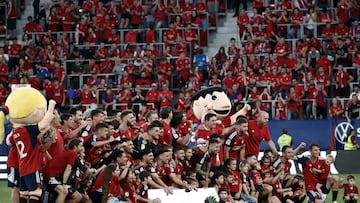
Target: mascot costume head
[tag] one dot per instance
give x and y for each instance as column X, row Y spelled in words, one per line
column 24, row 106
column 214, row 100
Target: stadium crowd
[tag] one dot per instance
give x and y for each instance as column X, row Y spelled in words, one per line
column 290, row 58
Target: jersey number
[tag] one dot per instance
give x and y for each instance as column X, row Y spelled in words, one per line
column 21, row 148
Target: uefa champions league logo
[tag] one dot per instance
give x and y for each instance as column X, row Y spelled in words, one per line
column 342, row 130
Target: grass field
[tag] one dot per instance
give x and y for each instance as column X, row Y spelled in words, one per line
column 5, row 191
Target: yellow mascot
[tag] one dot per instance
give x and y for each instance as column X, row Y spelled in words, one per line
column 26, row 110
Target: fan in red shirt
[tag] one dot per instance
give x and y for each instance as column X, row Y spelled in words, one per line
column 165, row 96
column 170, row 35
column 336, row 110
column 328, row 31
column 183, row 67
column 93, row 67
column 59, row 94
column 124, row 97
column 88, row 96
column 242, row 20
column 351, row 192
column 4, row 71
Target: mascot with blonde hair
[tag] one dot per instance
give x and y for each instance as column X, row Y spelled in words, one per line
column 26, row 110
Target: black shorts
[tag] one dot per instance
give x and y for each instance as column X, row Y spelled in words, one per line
column 125, row 15
column 11, row 24
column 13, row 177
column 30, row 182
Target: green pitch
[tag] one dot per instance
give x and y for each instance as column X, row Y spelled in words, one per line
column 5, row 191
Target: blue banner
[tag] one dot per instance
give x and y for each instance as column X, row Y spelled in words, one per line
column 342, row 129
column 308, row 131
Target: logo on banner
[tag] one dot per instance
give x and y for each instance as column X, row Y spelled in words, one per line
column 342, row 130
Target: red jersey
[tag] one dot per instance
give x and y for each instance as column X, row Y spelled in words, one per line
column 58, row 94
column 350, row 189
column 277, row 163
column 167, row 136
column 164, row 174
column 255, row 176
column 333, row 109
column 59, row 163
column 25, row 139
column 256, row 135
column 142, row 191
column 129, row 191
column 204, row 133
column 236, row 143
column 234, row 186
column 11, row 7
column 178, row 169
column 311, row 179
column 13, row 158
column 183, row 66
column 166, row 98
column 114, row 186
column 325, row 171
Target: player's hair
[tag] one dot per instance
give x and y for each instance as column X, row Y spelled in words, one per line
column 148, row 115
column 267, row 151
column 144, row 152
column 284, row 148
column 65, row 117
column 74, row 143
column 264, row 158
column 215, row 136
column 314, row 145
column 223, row 190
column 177, row 148
column 187, row 148
column 208, row 116
column 125, row 113
column 115, row 123
column 213, row 141
column 101, row 125
column 73, row 111
column 241, row 119
column 114, row 143
column 163, row 148
column 228, row 161
column 165, row 112
column 349, row 177
column 96, row 112
column 115, row 154
column 249, row 156
column 177, row 119
column 154, row 124
column 105, row 185
column 143, row 175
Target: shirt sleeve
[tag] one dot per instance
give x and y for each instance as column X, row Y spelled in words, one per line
column 33, row 131
column 230, row 139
